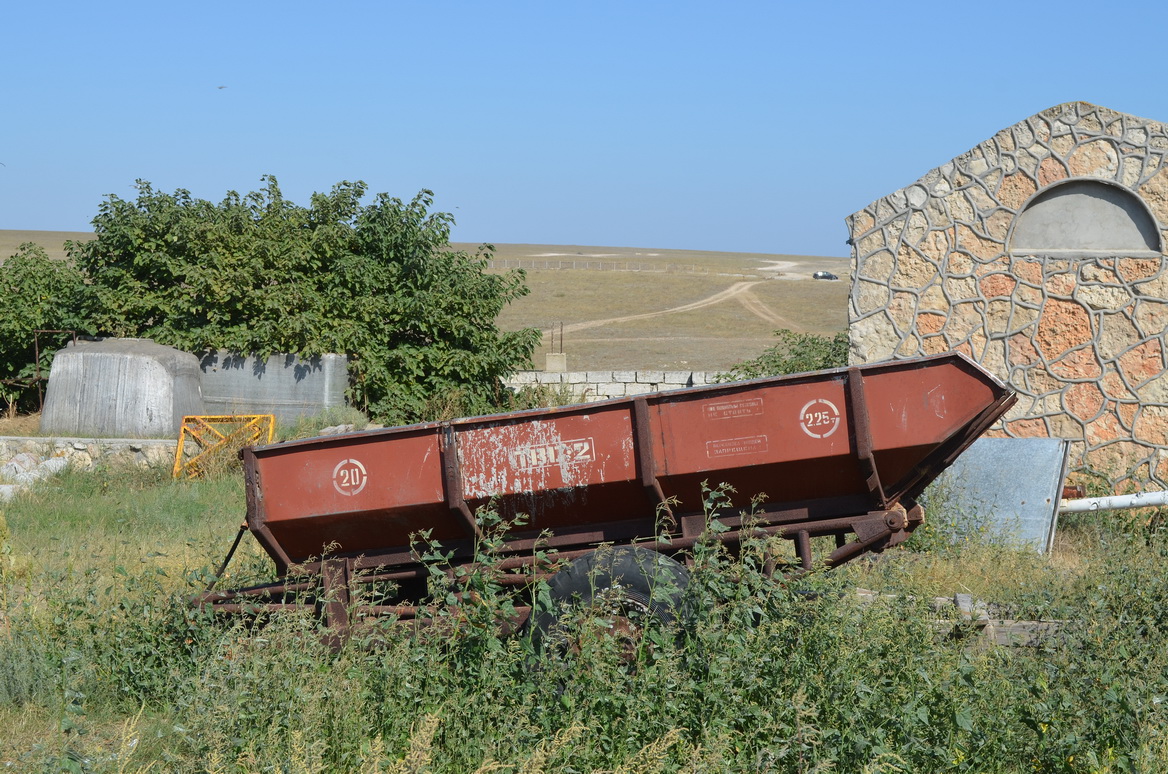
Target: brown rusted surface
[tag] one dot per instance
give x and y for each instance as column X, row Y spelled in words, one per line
column 841, row 453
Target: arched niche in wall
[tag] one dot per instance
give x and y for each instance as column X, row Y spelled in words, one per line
column 1088, row 217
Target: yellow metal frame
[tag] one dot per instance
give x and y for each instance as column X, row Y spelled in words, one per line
column 218, row 434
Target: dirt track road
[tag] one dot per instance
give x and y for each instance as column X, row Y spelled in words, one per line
column 755, row 306
column 739, row 291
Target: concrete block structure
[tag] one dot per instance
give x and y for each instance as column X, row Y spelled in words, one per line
column 592, row 386
column 120, row 388
column 287, row 386
column 1040, row 253
column 135, row 388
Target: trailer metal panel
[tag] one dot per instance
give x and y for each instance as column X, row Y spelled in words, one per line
column 841, row 453
column 833, row 443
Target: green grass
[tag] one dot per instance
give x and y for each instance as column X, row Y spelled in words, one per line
column 308, row 427
column 103, row 668
column 131, row 517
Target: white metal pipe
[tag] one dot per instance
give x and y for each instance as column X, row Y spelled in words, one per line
column 1116, row 503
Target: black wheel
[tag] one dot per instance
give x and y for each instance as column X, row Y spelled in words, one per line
column 619, row 588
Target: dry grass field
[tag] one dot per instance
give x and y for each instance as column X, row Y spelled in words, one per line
column 700, row 310
column 52, row 241
column 633, row 308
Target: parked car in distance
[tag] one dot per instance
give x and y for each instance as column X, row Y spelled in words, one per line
column 827, row 275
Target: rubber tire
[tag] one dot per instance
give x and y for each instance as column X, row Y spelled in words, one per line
column 654, row 582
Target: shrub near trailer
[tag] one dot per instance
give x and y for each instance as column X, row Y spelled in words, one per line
column 793, row 353
column 258, row 274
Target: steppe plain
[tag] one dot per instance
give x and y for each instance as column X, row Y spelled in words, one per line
column 642, row 308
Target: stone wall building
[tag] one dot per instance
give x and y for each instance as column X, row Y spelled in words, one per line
column 1040, row 254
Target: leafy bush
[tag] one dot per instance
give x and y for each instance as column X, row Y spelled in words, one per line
column 260, row 274
column 793, row 353
column 39, row 294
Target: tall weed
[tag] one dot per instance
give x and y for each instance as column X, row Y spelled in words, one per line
column 108, row 669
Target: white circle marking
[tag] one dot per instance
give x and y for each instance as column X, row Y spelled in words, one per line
column 819, row 418
column 349, row 477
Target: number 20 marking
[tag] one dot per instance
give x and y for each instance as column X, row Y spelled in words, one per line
column 349, row 477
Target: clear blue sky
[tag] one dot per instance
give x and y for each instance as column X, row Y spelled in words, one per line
column 738, row 126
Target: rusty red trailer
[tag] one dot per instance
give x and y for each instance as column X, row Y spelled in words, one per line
column 843, row 453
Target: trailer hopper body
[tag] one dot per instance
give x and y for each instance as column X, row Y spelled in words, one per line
column 843, row 453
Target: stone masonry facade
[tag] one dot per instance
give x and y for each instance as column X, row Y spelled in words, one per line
column 1040, row 255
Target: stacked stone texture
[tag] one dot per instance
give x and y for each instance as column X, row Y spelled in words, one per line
column 84, row 453
column 1081, row 337
column 27, row 460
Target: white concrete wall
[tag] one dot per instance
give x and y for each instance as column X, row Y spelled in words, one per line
column 592, row 386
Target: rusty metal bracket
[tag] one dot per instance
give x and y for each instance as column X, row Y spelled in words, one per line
column 863, row 435
column 803, row 549
column 216, row 435
column 452, row 482
column 877, row 523
column 646, row 460
column 336, row 581
column 227, row 559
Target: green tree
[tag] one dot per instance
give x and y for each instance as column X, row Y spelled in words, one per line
column 429, row 314
column 260, row 274
column 793, row 353
column 39, row 294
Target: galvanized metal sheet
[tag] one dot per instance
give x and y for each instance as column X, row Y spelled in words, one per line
column 1010, row 485
column 285, row 385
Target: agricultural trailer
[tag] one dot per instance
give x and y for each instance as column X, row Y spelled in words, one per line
column 613, row 490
